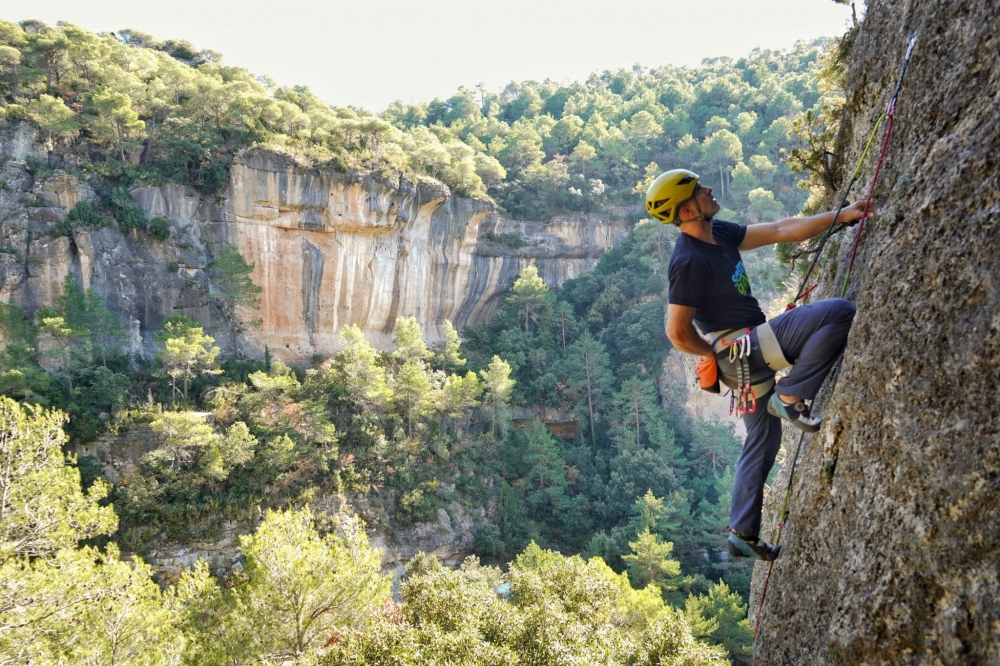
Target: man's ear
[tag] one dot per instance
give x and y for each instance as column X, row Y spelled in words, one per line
column 686, row 211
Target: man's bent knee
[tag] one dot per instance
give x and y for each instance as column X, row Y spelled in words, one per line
column 842, row 308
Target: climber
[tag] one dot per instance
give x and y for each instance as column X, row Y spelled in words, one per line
column 712, row 313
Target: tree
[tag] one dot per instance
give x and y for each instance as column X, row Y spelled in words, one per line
column 52, row 116
column 412, row 393
column 637, row 418
column 530, row 296
column 107, row 336
column 187, row 352
column 712, row 524
column 583, row 154
column 300, row 585
column 722, row 151
column 497, row 386
column 238, row 445
column 723, row 616
column 763, row 206
column 545, row 486
column 642, row 131
column 235, row 290
column 714, row 447
column 61, row 603
column 61, row 334
column 49, row 46
column 116, row 124
column 448, row 357
column 10, row 62
column 410, row 346
column 460, row 394
column 565, row 323
column 563, row 135
column 43, row 509
column 650, row 562
column 186, row 437
column 96, row 329
column 489, row 169
column 743, row 180
column 588, row 379
column 356, row 369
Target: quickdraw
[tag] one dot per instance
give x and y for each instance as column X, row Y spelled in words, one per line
column 742, row 399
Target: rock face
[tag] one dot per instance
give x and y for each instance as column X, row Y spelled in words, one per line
column 329, row 250
column 891, row 552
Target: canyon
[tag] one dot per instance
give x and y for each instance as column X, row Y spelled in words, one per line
column 329, row 250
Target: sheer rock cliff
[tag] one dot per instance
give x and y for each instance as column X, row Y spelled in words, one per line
column 891, row 551
column 329, row 249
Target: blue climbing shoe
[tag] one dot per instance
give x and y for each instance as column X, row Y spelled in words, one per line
column 796, row 413
column 741, row 546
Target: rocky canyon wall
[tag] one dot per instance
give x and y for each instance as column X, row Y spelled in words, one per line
column 329, row 249
column 892, row 554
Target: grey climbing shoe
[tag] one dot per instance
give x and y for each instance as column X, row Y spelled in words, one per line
column 741, row 546
column 796, row 413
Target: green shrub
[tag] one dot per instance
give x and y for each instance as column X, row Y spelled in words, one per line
column 511, row 240
column 158, row 229
column 419, row 505
column 91, row 470
column 129, row 215
column 84, row 214
column 487, row 542
column 37, row 168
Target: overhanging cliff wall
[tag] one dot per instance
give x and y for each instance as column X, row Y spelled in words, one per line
column 892, row 553
column 329, row 249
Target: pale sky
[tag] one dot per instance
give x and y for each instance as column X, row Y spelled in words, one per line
column 372, row 52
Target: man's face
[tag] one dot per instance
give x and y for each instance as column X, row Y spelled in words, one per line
column 706, row 202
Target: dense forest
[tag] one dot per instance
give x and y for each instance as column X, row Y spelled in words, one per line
column 136, row 109
column 605, row 546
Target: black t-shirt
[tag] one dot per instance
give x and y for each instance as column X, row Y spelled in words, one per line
column 712, row 279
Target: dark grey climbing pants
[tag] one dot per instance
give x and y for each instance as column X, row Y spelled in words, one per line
column 812, row 337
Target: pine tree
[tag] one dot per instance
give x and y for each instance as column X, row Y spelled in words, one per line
column 357, row 371
column 497, row 386
column 531, row 297
column 714, row 446
column 299, row 585
column 588, row 379
column 235, row 290
column 63, row 602
column 721, row 616
column 636, row 418
column 187, row 352
column 448, row 358
column 410, row 346
column 412, row 393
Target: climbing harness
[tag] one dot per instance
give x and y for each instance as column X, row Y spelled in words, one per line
column 889, row 114
column 733, row 351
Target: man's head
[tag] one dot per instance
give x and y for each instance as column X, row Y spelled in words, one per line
column 676, row 197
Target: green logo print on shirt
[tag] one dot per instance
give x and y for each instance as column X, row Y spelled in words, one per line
column 741, row 280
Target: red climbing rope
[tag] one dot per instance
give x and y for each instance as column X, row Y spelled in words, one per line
column 889, row 114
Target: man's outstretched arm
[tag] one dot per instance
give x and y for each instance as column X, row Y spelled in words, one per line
column 682, row 333
column 798, row 229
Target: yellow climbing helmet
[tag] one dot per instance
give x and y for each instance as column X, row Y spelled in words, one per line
column 668, row 192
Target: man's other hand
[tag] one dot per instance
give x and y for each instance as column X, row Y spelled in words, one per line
column 851, row 215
